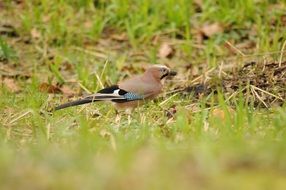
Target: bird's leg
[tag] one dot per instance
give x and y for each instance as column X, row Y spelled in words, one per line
column 129, row 119
column 129, row 112
column 118, row 116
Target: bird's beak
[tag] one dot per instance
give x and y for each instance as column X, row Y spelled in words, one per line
column 172, row 73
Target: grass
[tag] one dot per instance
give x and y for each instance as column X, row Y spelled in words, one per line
column 88, row 44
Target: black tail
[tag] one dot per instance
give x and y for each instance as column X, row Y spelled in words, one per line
column 75, row 103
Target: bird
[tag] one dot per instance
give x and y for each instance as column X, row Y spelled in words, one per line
column 130, row 93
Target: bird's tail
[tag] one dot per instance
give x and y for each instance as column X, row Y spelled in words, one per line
column 90, row 99
column 74, row 103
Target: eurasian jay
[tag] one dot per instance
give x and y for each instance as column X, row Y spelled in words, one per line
column 129, row 93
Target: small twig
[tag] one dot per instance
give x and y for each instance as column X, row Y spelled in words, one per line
column 84, row 88
column 235, row 93
column 48, row 131
column 266, row 92
column 8, row 134
column 281, row 55
column 99, row 79
column 19, row 117
column 103, row 70
column 95, row 54
column 220, row 69
column 236, row 49
column 167, row 99
column 175, row 91
column 196, row 79
column 256, row 94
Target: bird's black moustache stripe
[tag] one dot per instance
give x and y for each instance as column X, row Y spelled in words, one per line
column 163, row 76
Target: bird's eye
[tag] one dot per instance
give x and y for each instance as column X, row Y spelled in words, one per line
column 163, row 70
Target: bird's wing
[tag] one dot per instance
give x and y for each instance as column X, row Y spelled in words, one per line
column 112, row 93
column 142, row 85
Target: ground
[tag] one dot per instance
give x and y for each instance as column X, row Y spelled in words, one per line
column 220, row 123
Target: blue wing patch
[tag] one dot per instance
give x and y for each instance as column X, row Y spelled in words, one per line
column 131, row 96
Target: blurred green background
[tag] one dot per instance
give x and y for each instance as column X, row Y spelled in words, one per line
column 51, row 51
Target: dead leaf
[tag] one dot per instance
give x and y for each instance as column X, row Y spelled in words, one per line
column 87, row 24
column 244, row 45
column 35, row 33
column 49, row 88
column 155, row 39
column 198, row 2
column 67, row 91
column 2, row 5
column 209, row 30
column 66, row 66
column 11, row 85
column 166, row 51
column 221, row 114
column 46, row 18
column 119, row 37
column 283, row 20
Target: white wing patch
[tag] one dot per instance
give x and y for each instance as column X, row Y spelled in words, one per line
column 116, row 92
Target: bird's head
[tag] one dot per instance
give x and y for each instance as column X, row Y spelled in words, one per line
column 159, row 72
